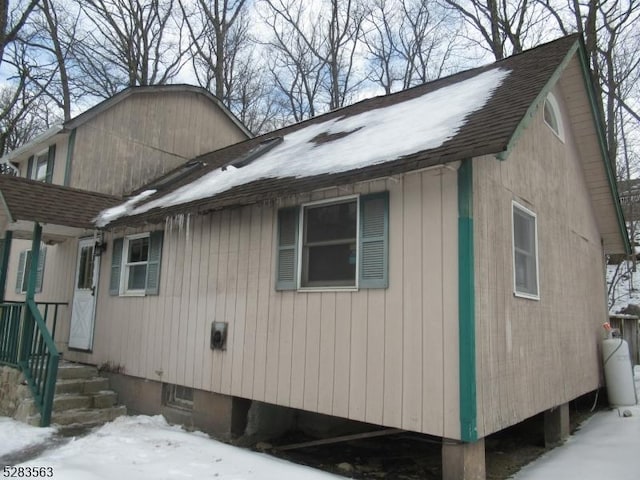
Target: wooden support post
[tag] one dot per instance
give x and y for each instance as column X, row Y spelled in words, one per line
column 556, row 425
column 35, row 256
column 28, row 322
column 4, row 263
column 463, row 461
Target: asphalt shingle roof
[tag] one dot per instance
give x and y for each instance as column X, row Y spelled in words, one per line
column 486, row 131
column 45, row 203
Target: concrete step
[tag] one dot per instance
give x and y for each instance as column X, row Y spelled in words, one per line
column 104, row 399
column 67, row 371
column 82, row 385
column 71, row 401
column 87, row 416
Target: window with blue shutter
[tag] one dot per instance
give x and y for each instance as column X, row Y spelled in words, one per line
column 374, row 240
column 116, row 262
column 135, row 264
column 153, row 266
column 334, row 241
column 51, row 156
column 286, row 278
column 24, row 265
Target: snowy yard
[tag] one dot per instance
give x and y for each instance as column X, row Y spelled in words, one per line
column 605, row 447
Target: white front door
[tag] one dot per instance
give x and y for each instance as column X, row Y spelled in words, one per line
column 84, row 297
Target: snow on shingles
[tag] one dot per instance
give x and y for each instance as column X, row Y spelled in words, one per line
column 372, row 137
column 121, row 210
column 17, row 436
column 145, row 447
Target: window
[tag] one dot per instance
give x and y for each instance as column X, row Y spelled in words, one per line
column 85, row 268
column 341, row 243
column 24, row 267
column 135, row 264
column 552, row 116
column 525, row 252
column 178, row 396
column 40, row 166
column 329, row 244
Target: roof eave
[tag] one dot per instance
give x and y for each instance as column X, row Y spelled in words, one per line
column 126, row 93
column 599, row 127
column 30, row 145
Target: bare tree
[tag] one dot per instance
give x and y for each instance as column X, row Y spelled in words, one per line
column 13, row 16
column 50, row 37
column 219, row 33
column 505, row 27
column 127, row 43
column 313, row 49
column 409, row 42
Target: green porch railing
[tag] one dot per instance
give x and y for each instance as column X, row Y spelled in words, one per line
column 10, row 322
column 38, row 359
column 26, row 342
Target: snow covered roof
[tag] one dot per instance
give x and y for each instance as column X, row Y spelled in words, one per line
column 466, row 115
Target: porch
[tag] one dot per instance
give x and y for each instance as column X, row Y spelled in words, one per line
column 44, row 214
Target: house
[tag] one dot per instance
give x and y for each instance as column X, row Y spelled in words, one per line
column 405, row 261
column 112, row 148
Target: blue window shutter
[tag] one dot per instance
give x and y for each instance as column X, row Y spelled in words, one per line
column 21, row 262
column 30, row 167
column 153, row 267
column 40, row 272
column 50, row 162
column 374, row 240
column 286, row 274
column 116, row 266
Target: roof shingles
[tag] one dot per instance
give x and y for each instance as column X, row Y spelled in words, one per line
column 487, row 130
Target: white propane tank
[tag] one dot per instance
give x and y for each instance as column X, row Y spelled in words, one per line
column 618, row 373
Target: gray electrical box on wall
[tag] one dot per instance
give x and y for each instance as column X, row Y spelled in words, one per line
column 219, row 335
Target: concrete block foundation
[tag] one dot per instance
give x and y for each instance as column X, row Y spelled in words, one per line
column 222, row 416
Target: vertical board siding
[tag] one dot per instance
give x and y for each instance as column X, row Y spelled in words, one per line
column 143, row 137
column 536, row 354
column 385, row 356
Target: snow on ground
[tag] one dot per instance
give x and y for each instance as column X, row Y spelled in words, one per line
column 369, row 138
column 605, row 447
column 16, row 436
column 141, row 447
column 626, row 286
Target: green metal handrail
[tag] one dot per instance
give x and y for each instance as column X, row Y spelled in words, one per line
column 10, row 322
column 38, row 359
column 45, row 309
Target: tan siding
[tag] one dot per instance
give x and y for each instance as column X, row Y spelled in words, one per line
column 534, row 355
column 144, row 136
column 372, row 355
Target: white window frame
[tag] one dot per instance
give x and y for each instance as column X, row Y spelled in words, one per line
column 124, row 266
column 328, row 288
column 41, row 156
column 515, row 205
column 554, row 106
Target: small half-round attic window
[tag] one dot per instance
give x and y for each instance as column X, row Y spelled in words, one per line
column 552, row 116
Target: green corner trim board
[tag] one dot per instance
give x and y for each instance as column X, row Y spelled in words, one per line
column 466, row 305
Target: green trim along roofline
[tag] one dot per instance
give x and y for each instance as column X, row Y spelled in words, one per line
column 579, row 49
column 598, row 124
column 466, row 305
column 533, row 108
